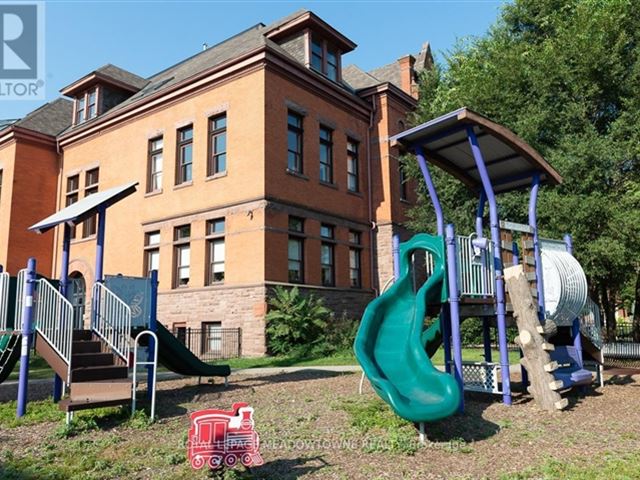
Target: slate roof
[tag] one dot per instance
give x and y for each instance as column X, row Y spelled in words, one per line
column 390, row 73
column 5, row 123
column 50, row 119
column 122, row 75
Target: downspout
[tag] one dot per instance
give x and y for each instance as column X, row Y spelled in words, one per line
column 54, row 258
column 370, row 201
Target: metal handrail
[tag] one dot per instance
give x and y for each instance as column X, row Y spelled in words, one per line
column 4, row 300
column 111, row 320
column 476, row 270
column 54, row 320
column 153, row 363
column 17, row 318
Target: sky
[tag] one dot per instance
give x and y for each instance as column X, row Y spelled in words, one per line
column 146, row 37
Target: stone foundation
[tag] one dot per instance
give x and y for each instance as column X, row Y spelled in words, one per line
column 233, row 307
column 384, row 250
column 245, row 308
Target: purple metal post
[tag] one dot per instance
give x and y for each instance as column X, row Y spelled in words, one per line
column 480, row 214
column 102, row 213
column 486, row 327
column 27, row 317
column 486, row 338
column 433, row 194
column 454, row 296
column 64, row 284
column 533, row 223
column 395, row 250
column 575, row 327
column 499, row 280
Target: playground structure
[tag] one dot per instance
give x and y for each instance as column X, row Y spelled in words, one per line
column 465, row 280
column 95, row 362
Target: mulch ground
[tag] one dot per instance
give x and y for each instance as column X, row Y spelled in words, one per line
column 306, row 434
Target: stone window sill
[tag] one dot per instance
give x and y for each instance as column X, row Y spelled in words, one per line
column 296, row 174
column 330, row 185
column 215, row 176
column 183, row 185
column 153, row 193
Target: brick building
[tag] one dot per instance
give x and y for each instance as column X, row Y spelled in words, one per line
column 261, row 161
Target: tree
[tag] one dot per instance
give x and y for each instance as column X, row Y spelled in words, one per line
column 565, row 76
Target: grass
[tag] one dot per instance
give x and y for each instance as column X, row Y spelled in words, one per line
column 347, row 358
column 38, row 368
column 611, row 466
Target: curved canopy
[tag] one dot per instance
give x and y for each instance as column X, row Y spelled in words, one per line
column 510, row 161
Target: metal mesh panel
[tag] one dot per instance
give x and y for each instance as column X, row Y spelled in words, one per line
column 475, row 268
column 481, row 377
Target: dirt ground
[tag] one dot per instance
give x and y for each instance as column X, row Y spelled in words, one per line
column 308, row 430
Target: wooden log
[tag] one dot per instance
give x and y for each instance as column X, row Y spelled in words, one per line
column 534, row 347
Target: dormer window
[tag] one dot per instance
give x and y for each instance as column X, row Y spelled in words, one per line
column 325, row 58
column 86, row 106
column 80, row 108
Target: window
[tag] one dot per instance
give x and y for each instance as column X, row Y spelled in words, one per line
column 294, row 142
column 154, row 168
column 215, row 251
column 317, row 54
column 179, row 329
column 182, row 253
column 212, row 337
column 185, row 155
column 325, row 58
column 326, row 155
column 90, row 187
column 403, row 182
column 86, row 106
column 296, row 250
column 217, row 145
column 80, row 109
column 151, row 252
column 92, row 109
column 71, row 197
column 332, row 64
column 353, row 179
column 355, row 248
column 327, row 255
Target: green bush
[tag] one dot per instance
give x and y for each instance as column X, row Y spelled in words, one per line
column 296, row 323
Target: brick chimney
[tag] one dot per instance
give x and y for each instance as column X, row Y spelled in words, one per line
column 407, row 75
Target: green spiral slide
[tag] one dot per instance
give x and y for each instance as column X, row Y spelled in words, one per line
column 390, row 343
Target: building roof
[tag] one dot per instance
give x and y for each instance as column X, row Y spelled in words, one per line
column 49, row 119
column 511, row 162
column 85, row 208
column 109, row 74
column 390, row 73
column 122, row 75
column 253, row 39
column 303, row 19
column 229, row 49
column 7, row 122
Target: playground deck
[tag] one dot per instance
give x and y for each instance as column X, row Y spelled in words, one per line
column 300, row 416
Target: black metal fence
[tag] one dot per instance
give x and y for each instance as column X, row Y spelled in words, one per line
column 624, row 332
column 211, row 343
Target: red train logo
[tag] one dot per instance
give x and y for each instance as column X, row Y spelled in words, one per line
column 219, row 437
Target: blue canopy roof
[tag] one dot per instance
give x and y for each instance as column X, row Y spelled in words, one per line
column 510, row 161
column 85, row 208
